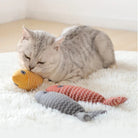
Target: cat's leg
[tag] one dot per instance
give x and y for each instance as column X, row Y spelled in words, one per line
column 113, row 66
column 64, row 82
column 74, row 75
column 48, row 83
column 104, row 48
column 70, row 81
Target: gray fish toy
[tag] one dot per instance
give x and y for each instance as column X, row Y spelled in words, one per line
column 65, row 105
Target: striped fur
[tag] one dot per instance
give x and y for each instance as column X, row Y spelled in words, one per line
column 82, row 94
column 79, row 51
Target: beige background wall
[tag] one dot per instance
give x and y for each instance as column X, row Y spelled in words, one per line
column 11, row 32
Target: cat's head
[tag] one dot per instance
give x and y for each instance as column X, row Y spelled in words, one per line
column 37, row 52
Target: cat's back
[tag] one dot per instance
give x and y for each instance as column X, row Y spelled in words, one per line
column 77, row 31
column 78, row 36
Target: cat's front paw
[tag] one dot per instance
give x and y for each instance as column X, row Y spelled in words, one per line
column 48, row 82
column 113, row 66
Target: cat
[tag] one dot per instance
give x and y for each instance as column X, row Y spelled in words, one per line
column 76, row 53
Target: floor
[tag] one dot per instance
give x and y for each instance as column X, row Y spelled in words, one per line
column 11, row 32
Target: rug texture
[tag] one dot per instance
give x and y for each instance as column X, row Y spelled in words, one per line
column 19, row 109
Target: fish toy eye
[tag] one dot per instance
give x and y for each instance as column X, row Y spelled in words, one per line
column 23, row 72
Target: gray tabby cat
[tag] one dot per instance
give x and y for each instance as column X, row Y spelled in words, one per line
column 79, row 51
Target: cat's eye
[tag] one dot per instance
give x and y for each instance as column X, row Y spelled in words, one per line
column 27, row 57
column 40, row 62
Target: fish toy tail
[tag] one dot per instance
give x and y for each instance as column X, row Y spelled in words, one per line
column 115, row 101
column 87, row 116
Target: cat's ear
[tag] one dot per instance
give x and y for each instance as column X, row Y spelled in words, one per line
column 57, row 43
column 26, row 34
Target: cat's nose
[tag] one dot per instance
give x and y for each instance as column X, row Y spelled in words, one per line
column 30, row 67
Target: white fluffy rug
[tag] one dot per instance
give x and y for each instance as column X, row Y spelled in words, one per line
column 18, row 108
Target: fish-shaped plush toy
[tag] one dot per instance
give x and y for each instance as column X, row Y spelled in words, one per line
column 82, row 94
column 65, row 105
column 26, row 79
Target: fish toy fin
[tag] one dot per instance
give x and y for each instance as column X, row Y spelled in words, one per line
column 87, row 116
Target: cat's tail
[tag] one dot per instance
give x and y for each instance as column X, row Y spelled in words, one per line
column 87, row 116
column 114, row 101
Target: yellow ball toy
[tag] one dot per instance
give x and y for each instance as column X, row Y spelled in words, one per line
column 26, row 79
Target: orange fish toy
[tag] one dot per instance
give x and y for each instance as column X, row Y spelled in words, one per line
column 27, row 80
